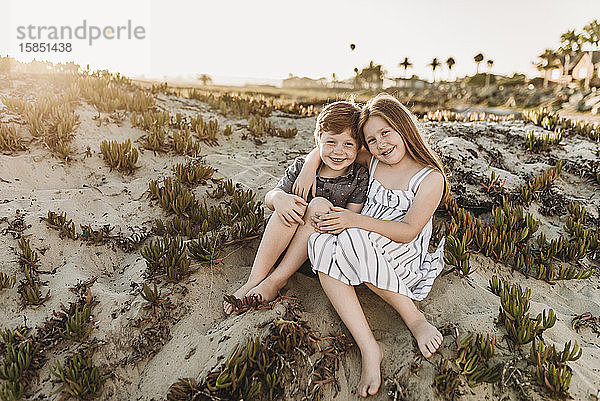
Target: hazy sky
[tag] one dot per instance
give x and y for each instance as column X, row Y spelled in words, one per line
column 270, row 39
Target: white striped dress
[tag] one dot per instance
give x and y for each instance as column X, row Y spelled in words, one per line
column 356, row 256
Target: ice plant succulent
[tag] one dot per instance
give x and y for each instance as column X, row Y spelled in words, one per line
column 78, row 376
column 450, row 116
column 153, row 297
column 551, row 121
column 543, row 141
column 540, row 183
column 173, row 196
column 234, row 104
column 193, row 172
column 59, row 222
column 27, row 258
column 446, row 380
column 6, row 281
column 550, row 366
column 207, row 247
column 183, row 143
column 247, row 371
column 472, row 356
column 10, row 140
column 457, row 255
column 120, row 156
column 260, row 126
column 514, row 312
column 78, row 326
column 167, row 256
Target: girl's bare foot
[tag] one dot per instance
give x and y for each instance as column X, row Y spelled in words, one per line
column 240, row 293
column 427, row 336
column 370, row 376
column 267, row 290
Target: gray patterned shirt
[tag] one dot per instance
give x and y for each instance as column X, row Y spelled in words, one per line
column 350, row 187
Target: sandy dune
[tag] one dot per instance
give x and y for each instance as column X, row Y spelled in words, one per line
column 193, row 334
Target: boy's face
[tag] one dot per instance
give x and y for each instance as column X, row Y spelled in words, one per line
column 338, row 151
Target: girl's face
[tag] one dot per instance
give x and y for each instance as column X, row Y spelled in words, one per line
column 383, row 142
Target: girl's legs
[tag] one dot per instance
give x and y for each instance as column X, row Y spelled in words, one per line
column 344, row 300
column 427, row 336
column 275, row 238
column 295, row 255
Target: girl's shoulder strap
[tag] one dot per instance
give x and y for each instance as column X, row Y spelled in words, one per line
column 372, row 165
column 416, row 179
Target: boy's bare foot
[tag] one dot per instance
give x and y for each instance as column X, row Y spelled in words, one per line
column 428, row 337
column 370, row 376
column 240, row 293
column 267, row 290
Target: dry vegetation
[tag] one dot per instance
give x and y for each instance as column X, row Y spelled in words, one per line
column 205, row 217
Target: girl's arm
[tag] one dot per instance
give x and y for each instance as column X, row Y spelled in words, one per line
column 354, row 207
column 308, row 175
column 424, row 205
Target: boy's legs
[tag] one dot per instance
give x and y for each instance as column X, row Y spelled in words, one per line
column 343, row 298
column 295, row 255
column 427, row 336
column 275, row 239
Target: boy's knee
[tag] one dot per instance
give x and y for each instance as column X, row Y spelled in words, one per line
column 318, row 205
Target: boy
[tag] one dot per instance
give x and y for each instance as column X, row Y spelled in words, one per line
column 340, row 182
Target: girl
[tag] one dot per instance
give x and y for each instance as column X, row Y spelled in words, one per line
column 385, row 246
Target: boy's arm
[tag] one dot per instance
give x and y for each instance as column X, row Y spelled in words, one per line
column 363, row 157
column 290, row 208
column 307, row 178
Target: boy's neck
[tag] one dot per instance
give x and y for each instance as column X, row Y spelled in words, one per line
column 326, row 172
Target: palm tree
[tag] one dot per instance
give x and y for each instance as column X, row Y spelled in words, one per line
column 478, row 59
column 434, row 65
column 490, row 64
column 205, row 79
column 591, row 33
column 571, row 41
column 450, row 63
column 405, row 64
column 373, row 75
column 547, row 64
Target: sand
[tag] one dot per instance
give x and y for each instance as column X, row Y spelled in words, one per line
column 190, row 339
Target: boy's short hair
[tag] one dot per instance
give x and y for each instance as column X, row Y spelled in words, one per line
column 337, row 117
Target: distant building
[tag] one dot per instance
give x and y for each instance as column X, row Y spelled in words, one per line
column 304, row 82
column 576, row 66
column 345, row 84
column 411, row 83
